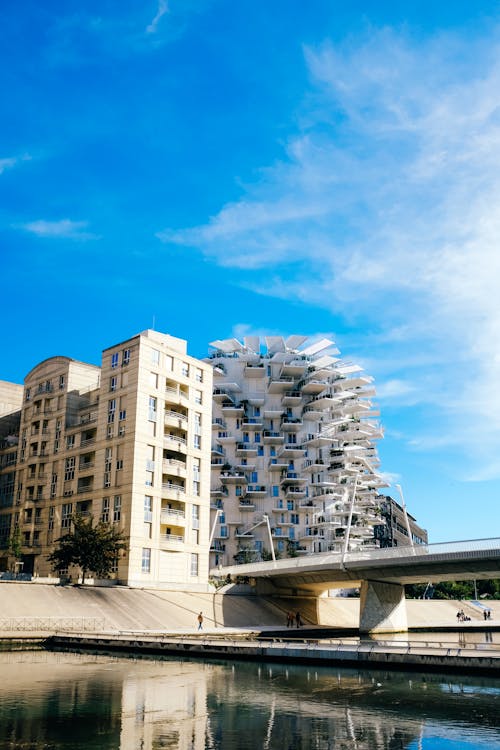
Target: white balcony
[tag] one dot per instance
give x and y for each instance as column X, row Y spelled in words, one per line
column 291, row 398
column 172, row 516
column 172, row 542
column 171, row 491
column 175, row 419
column 174, row 466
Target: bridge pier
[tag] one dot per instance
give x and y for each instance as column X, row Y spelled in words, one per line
column 382, row 607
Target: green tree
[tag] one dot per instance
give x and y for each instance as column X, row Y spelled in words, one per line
column 15, row 543
column 92, row 548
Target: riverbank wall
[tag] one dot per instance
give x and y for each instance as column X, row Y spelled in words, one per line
column 121, row 608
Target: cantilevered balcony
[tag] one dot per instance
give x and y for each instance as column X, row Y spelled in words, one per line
column 233, row 477
column 292, row 478
column 277, row 464
column 175, row 442
column 252, row 423
column 246, row 504
column 291, row 398
column 256, row 370
column 256, row 490
column 246, row 449
column 291, row 450
column 314, row 464
column 270, row 437
column 279, row 385
column 291, row 424
column 220, row 395
column 296, row 368
column 273, row 412
column 231, row 409
column 295, row 492
column 313, row 387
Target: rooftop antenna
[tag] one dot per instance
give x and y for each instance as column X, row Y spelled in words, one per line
column 407, row 520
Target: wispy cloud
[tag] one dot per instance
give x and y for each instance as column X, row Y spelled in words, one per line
column 152, row 28
column 64, row 229
column 385, row 207
column 12, row 161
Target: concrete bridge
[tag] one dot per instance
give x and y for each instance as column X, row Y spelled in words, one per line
column 380, row 575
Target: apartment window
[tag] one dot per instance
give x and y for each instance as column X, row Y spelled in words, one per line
column 155, row 356
column 69, row 468
column 153, row 380
column 70, row 441
column 122, row 415
column 148, row 508
column 125, row 357
column 113, row 383
column 194, row 564
column 66, row 513
column 152, row 409
column 114, row 360
column 294, row 518
column 119, row 464
column 237, row 490
column 198, row 396
column 117, row 508
column 111, row 410
column 61, row 382
column 185, row 369
column 28, row 394
column 223, row 532
column 105, row 510
column 169, row 362
column 197, row 441
column 195, row 516
column 260, row 450
column 146, row 560
column 198, row 375
column 52, row 512
column 276, row 490
column 109, row 431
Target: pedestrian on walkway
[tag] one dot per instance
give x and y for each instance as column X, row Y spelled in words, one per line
column 200, row 621
column 298, row 619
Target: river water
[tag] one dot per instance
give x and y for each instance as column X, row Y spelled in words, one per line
column 84, row 701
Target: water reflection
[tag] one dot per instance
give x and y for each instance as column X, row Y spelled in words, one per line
column 61, row 700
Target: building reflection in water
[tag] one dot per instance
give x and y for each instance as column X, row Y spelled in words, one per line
column 63, row 700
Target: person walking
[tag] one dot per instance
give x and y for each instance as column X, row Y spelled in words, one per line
column 200, row 621
column 298, row 619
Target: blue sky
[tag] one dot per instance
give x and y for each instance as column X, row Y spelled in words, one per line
column 222, row 168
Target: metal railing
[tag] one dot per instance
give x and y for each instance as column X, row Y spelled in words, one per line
column 51, row 624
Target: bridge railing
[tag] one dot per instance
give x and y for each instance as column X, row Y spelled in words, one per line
column 440, row 548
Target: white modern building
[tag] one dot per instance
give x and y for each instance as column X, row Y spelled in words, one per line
column 294, row 459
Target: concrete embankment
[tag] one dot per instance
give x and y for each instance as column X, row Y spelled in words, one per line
column 121, row 608
column 250, row 646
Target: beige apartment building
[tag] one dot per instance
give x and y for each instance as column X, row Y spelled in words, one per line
column 127, row 443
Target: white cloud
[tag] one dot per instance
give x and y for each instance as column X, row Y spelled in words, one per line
column 65, row 228
column 152, row 28
column 386, row 207
column 12, row 161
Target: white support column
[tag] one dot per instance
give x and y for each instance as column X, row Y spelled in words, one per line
column 382, row 608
